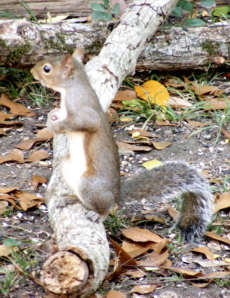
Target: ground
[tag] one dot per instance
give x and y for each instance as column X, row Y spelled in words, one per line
column 202, row 150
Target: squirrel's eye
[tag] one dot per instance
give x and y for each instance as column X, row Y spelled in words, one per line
column 46, row 68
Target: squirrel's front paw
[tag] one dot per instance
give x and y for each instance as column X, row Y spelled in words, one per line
column 55, row 120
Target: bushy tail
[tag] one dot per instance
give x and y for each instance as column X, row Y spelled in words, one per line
column 168, row 181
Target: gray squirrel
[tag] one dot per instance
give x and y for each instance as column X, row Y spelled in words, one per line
column 91, row 169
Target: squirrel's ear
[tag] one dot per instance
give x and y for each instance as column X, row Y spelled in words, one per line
column 67, row 66
column 78, row 54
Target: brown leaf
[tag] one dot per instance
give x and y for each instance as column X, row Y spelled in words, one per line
column 37, row 156
column 177, row 102
column 223, row 202
column 7, row 189
column 161, row 145
column 204, row 250
column 141, row 235
column 204, row 89
column 125, row 95
column 3, row 121
column 135, row 273
column 15, row 108
column 136, row 249
column 143, row 133
column 173, row 213
column 218, row 274
column 5, row 251
column 44, row 134
column 164, row 123
column 10, row 199
column 124, row 147
column 143, row 289
column 154, row 259
column 226, row 133
column 197, row 123
column 28, row 200
column 216, row 104
column 36, row 180
column 26, row 145
column 158, row 247
column 115, row 294
column 216, row 237
column 14, row 155
column 185, row 272
column 124, row 258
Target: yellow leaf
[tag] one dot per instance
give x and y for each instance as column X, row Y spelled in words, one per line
column 150, row 164
column 153, row 91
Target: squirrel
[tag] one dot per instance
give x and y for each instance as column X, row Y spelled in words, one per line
column 91, row 168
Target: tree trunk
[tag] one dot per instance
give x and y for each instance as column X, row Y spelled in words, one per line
column 22, row 43
column 83, row 258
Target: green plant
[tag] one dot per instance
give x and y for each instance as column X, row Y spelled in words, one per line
column 114, row 223
column 7, row 283
column 103, row 11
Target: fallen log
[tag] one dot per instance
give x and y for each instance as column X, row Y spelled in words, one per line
column 82, row 261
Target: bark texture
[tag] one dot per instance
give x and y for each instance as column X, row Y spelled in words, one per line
column 22, row 43
column 81, row 237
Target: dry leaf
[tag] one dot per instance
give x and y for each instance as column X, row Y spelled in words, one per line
column 142, row 133
column 15, row 108
column 143, row 289
column 26, row 145
column 204, row 89
column 36, row 180
column 185, row 272
column 7, row 189
column 115, row 294
column 153, row 91
column 216, row 104
column 136, row 249
column 124, row 147
column 141, row 235
column 225, row 133
column 42, row 135
column 178, row 103
column 197, row 123
column 135, row 273
column 14, row 155
column 28, row 200
column 173, row 213
column 37, row 156
column 154, row 259
column 204, row 250
column 124, row 257
column 218, row 274
column 150, row 164
column 125, row 95
column 3, row 121
column 223, row 202
column 161, row 145
column 164, row 123
column 158, row 247
column 5, row 251
column 216, row 237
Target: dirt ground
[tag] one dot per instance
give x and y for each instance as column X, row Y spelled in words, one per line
column 198, row 150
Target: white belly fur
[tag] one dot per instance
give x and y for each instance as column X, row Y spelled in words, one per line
column 74, row 167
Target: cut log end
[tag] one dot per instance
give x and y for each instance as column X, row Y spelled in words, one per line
column 64, row 273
